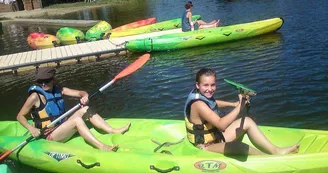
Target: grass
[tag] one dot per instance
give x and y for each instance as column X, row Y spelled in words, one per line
column 83, row 4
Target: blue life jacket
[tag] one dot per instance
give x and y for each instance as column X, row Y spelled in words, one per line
column 201, row 133
column 53, row 108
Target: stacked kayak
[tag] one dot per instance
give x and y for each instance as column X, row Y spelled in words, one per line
column 136, row 24
column 153, row 145
column 37, row 40
column 160, row 26
column 68, row 36
column 205, row 36
column 97, row 31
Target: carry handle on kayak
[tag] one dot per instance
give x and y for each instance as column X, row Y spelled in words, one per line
column 174, row 168
column 128, row 70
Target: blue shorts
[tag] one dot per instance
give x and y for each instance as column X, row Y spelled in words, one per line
column 196, row 26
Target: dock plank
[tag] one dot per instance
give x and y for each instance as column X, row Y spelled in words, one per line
column 18, row 58
column 28, row 57
column 68, row 51
column 23, row 59
column 58, row 53
column 63, row 51
column 46, row 54
column 13, row 59
column 39, row 55
column 53, row 53
column 33, row 56
column 102, row 46
column 93, row 47
column 85, row 49
column 8, row 58
column 2, row 59
column 74, row 49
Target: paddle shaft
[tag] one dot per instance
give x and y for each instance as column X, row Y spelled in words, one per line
column 128, row 70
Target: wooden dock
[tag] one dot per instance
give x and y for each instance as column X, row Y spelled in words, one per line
column 76, row 51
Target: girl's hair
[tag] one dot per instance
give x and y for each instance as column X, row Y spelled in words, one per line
column 188, row 5
column 206, row 72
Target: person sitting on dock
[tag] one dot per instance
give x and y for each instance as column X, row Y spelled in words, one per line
column 45, row 103
column 209, row 130
column 189, row 25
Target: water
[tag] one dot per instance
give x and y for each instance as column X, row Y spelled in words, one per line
column 288, row 69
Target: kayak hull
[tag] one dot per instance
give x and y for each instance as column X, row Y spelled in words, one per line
column 4, row 168
column 42, row 41
column 142, row 149
column 136, row 24
column 205, row 36
column 160, row 26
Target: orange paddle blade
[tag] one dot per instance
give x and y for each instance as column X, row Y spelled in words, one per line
column 133, row 67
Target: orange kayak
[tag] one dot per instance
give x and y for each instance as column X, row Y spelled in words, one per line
column 32, row 37
column 135, row 24
column 38, row 40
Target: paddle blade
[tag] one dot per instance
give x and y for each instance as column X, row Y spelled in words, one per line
column 133, row 67
column 241, row 88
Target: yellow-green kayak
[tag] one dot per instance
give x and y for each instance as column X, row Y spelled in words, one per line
column 204, row 36
column 161, row 146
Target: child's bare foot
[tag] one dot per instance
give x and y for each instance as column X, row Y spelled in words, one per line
column 122, row 129
column 289, row 150
column 109, row 148
column 212, row 22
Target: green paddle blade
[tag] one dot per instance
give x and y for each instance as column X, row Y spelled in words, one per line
column 241, row 88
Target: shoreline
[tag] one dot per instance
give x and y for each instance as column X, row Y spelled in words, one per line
column 9, row 16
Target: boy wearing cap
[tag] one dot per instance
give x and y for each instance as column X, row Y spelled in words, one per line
column 45, row 104
column 189, row 25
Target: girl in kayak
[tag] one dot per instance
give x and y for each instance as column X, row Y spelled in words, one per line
column 189, row 25
column 45, row 104
column 207, row 129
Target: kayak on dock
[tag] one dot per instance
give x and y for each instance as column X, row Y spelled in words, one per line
column 68, row 36
column 38, row 40
column 96, row 32
column 153, row 145
column 204, row 36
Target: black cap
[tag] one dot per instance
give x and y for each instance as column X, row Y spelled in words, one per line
column 45, row 73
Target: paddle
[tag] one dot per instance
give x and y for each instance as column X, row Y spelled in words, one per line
column 128, row 70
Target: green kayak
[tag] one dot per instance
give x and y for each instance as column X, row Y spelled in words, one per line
column 97, row 31
column 161, row 146
column 68, row 35
column 204, row 36
column 160, row 26
column 4, row 168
